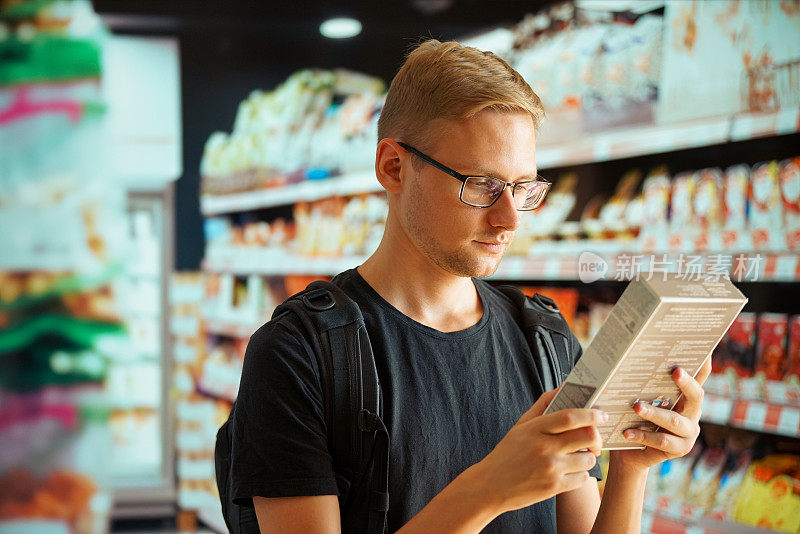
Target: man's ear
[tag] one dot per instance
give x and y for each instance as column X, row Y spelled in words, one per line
column 388, row 165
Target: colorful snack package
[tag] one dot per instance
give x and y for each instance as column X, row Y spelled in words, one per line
column 737, row 184
column 656, row 189
column 681, row 212
column 739, row 351
column 705, row 478
column 766, row 211
column 707, row 203
column 789, row 176
column 770, row 494
column 730, row 482
column 771, row 352
column 793, row 356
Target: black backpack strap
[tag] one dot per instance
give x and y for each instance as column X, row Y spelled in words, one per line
column 356, row 432
column 555, row 348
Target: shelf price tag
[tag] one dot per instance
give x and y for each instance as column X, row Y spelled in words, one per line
column 717, row 409
column 789, row 421
column 756, row 416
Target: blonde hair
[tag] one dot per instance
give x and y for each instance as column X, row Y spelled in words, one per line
column 450, row 81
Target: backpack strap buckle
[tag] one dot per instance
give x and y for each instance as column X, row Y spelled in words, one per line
column 546, row 302
column 368, row 421
column 318, row 300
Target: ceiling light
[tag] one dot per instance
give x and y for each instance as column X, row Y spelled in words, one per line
column 340, row 28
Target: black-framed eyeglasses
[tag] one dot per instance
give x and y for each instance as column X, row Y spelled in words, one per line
column 483, row 191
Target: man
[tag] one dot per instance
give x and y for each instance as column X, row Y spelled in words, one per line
column 470, row 448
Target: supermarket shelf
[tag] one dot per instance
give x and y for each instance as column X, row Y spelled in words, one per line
column 349, row 184
column 274, row 262
column 756, row 415
column 614, row 144
column 655, row 523
column 654, row 139
column 771, row 267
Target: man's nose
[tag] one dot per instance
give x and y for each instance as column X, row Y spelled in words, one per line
column 504, row 211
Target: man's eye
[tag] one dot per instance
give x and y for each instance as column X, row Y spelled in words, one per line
column 489, row 185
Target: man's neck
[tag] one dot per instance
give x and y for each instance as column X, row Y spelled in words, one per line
column 420, row 289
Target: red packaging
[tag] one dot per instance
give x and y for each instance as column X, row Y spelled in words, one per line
column 771, row 354
column 738, row 350
column 793, row 358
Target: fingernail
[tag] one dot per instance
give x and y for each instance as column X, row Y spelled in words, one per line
column 631, row 435
column 604, row 416
column 641, row 407
column 678, row 372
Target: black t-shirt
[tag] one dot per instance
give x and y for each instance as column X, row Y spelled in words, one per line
column 449, row 398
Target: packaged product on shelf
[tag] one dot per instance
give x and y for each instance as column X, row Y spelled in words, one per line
column 60, row 496
column 738, row 352
column 765, row 208
column 330, row 228
column 739, row 459
column 789, row 173
column 655, row 216
column 793, row 357
column 770, row 495
column 771, row 358
column 634, row 214
column 737, row 183
column 296, row 132
column 671, row 481
column 612, row 214
column 590, row 217
column 681, row 213
column 707, row 203
column 704, row 481
column 656, row 324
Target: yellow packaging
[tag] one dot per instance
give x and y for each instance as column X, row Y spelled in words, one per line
column 769, row 500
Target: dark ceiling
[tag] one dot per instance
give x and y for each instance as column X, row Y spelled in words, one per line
column 287, row 33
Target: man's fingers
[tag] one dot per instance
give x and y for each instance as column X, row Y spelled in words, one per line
column 563, row 420
column 672, row 421
column 703, row 372
column 672, row 445
column 692, row 393
column 539, row 406
column 587, row 437
column 578, row 462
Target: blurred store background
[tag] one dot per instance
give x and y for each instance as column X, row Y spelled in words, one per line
column 171, row 170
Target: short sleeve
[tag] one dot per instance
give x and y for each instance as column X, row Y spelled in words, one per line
column 279, row 446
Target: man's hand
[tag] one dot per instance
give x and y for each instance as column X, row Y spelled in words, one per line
column 679, row 427
column 542, row 455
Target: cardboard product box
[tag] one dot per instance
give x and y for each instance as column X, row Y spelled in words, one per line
column 793, row 365
column 771, row 358
column 670, row 320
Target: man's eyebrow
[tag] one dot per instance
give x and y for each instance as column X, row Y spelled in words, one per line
column 484, row 171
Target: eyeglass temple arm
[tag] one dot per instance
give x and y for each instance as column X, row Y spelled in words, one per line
column 433, row 163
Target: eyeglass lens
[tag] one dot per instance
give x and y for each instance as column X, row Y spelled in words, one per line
column 483, row 190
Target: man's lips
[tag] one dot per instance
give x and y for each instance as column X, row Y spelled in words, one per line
column 495, row 247
column 494, row 241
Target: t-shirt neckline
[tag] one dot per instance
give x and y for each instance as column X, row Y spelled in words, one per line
column 458, row 334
